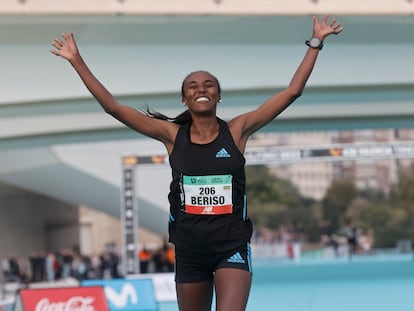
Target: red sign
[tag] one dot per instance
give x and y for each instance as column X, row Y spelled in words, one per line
column 63, row 299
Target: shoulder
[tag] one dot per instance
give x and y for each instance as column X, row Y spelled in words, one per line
column 236, row 129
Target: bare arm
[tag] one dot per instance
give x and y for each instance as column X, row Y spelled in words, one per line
column 158, row 129
column 245, row 125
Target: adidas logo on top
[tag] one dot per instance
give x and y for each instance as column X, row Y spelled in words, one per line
column 236, row 258
column 222, row 153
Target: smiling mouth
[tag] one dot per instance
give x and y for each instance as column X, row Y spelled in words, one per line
column 202, row 99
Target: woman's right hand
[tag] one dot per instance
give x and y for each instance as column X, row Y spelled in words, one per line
column 65, row 48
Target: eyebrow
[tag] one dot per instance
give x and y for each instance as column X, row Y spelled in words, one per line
column 205, row 81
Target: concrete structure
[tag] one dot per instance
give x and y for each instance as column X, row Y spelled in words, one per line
column 56, row 141
column 222, row 7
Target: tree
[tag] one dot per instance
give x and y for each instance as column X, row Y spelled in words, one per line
column 274, row 201
column 337, row 200
column 265, row 187
column 405, row 200
column 405, row 193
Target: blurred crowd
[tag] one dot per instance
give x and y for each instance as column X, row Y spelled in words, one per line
column 66, row 263
column 349, row 240
column 156, row 260
column 52, row 266
column 286, row 234
column 356, row 240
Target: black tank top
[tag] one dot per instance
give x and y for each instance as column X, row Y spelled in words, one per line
column 207, row 194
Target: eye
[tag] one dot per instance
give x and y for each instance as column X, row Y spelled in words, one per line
column 192, row 86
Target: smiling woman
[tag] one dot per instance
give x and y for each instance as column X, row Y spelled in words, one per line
column 208, row 226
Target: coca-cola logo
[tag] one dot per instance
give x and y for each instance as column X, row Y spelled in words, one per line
column 76, row 303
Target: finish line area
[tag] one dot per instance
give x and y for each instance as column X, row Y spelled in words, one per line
column 279, row 280
column 308, row 284
column 254, row 156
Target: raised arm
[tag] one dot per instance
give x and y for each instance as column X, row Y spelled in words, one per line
column 164, row 131
column 245, row 125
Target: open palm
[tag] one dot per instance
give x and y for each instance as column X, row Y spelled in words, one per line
column 65, row 48
column 325, row 27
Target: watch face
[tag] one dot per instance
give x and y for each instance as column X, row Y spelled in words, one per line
column 315, row 42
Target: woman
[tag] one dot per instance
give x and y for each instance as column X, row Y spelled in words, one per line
column 208, row 221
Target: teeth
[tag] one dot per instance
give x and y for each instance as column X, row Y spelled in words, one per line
column 202, row 99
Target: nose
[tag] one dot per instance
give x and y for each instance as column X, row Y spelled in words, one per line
column 202, row 86
column 201, row 89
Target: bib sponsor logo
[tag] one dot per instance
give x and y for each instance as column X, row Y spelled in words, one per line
column 208, row 210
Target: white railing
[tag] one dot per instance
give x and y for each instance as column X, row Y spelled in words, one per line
column 247, row 7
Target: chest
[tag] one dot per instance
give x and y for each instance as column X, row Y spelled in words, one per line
column 218, row 157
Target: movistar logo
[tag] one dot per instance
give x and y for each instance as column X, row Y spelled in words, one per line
column 127, row 296
column 236, row 258
column 222, row 153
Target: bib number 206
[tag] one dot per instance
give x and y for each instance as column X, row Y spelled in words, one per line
column 207, row 190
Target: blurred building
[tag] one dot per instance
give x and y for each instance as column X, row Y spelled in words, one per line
column 313, row 178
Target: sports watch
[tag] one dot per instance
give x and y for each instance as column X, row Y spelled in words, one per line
column 314, row 43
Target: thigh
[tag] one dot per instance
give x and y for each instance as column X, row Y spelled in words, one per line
column 232, row 289
column 193, row 267
column 195, row 296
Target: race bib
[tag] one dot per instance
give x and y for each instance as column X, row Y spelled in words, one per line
column 208, row 195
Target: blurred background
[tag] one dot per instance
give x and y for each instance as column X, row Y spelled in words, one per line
column 331, row 177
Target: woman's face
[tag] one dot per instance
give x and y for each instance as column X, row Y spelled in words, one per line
column 201, row 92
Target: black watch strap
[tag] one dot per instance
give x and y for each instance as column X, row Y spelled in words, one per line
column 308, row 43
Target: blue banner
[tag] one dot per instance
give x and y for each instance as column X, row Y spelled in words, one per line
column 123, row 294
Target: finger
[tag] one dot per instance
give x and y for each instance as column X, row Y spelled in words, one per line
column 56, row 45
column 68, row 36
column 332, row 22
column 55, row 52
column 71, row 37
column 325, row 18
column 315, row 21
column 338, row 28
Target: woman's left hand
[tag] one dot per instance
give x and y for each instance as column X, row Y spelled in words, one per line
column 325, row 27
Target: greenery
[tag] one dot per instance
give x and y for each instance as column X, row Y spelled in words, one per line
column 274, row 202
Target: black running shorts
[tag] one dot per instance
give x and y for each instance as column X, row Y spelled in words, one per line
column 198, row 267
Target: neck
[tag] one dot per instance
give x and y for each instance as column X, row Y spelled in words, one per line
column 204, row 130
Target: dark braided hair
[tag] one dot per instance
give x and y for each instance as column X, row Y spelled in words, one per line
column 183, row 118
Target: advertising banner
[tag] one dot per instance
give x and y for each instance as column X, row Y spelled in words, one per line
column 121, row 294
column 164, row 285
column 62, row 299
column 6, row 305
